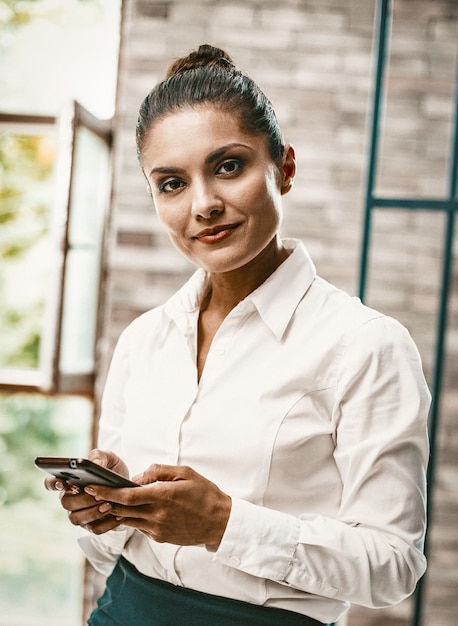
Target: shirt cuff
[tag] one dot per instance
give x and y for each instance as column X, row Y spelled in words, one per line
column 103, row 551
column 259, row 541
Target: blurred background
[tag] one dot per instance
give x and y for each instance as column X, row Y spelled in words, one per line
column 365, row 90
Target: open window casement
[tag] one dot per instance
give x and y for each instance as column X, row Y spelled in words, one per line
column 81, row 192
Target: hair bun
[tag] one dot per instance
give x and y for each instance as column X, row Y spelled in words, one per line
column 204, row 56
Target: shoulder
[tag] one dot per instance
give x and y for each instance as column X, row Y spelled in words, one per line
column 356, row 326
column 333, row 307
column 144, row 326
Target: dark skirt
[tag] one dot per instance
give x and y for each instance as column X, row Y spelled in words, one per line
column 133, row 599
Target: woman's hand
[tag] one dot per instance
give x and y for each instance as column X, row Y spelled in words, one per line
column 175, row 505
column 83, row 509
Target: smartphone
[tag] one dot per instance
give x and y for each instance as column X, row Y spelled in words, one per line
column 81, row 472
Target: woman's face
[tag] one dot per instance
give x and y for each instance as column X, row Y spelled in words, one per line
column 216, row 188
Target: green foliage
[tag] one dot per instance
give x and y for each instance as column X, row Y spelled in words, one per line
column 37, row 542
column 20, row 346
column 26, row 166
column 26, row 163
column 27, row 426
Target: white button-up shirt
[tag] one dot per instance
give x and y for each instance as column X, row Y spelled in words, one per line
column 310, row 413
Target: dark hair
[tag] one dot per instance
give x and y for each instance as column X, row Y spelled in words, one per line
column 209, row 75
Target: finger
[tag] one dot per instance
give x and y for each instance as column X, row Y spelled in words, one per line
column 146, row 528
column 99, row 456
column 54, row 484
column 104, row 525
column 98, row 526
column 73, row 502
column 109, row 460
column 83, row 517
column 119, row 511
column 159, row 472
column 122, row 495
column 89, row 515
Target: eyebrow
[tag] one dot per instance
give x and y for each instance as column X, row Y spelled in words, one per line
column 166, row 170
column 211, row 158
column 214, row 156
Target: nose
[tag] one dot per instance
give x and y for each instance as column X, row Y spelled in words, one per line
column 205, row 201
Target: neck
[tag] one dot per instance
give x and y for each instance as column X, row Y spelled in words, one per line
column 230, row 288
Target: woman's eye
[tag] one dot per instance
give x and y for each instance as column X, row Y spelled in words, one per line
column 229, row 167
column 171, row 185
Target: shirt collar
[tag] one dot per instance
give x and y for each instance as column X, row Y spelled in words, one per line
column 278, row 297
column 275, row 300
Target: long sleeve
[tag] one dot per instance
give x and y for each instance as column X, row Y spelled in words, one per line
column 103, row 551
column 371, row 554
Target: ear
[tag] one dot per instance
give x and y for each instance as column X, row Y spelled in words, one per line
column 288, row 169
column 148, row 186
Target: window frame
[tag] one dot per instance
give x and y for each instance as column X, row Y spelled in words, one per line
column 48, row 378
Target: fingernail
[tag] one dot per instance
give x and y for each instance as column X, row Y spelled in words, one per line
column 89, row 490
column 105, row 507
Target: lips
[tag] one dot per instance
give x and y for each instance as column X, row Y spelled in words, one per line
column 216, row 233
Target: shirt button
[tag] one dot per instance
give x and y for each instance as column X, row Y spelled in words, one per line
column 234, row 561
column 220, row 351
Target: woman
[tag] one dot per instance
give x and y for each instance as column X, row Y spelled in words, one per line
column 277, row 426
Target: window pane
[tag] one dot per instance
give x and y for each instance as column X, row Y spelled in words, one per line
column 56, row 51
column 80, row 305
column 87, row 214
column 26, row 167
column 419, row 104
column 41, row 574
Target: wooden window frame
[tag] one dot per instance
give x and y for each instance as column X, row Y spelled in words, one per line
column 48, row 378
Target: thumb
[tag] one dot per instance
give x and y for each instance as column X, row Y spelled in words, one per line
column 100, row 457
column 110, row 460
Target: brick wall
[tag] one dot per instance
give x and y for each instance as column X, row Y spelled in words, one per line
column 314, row 60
